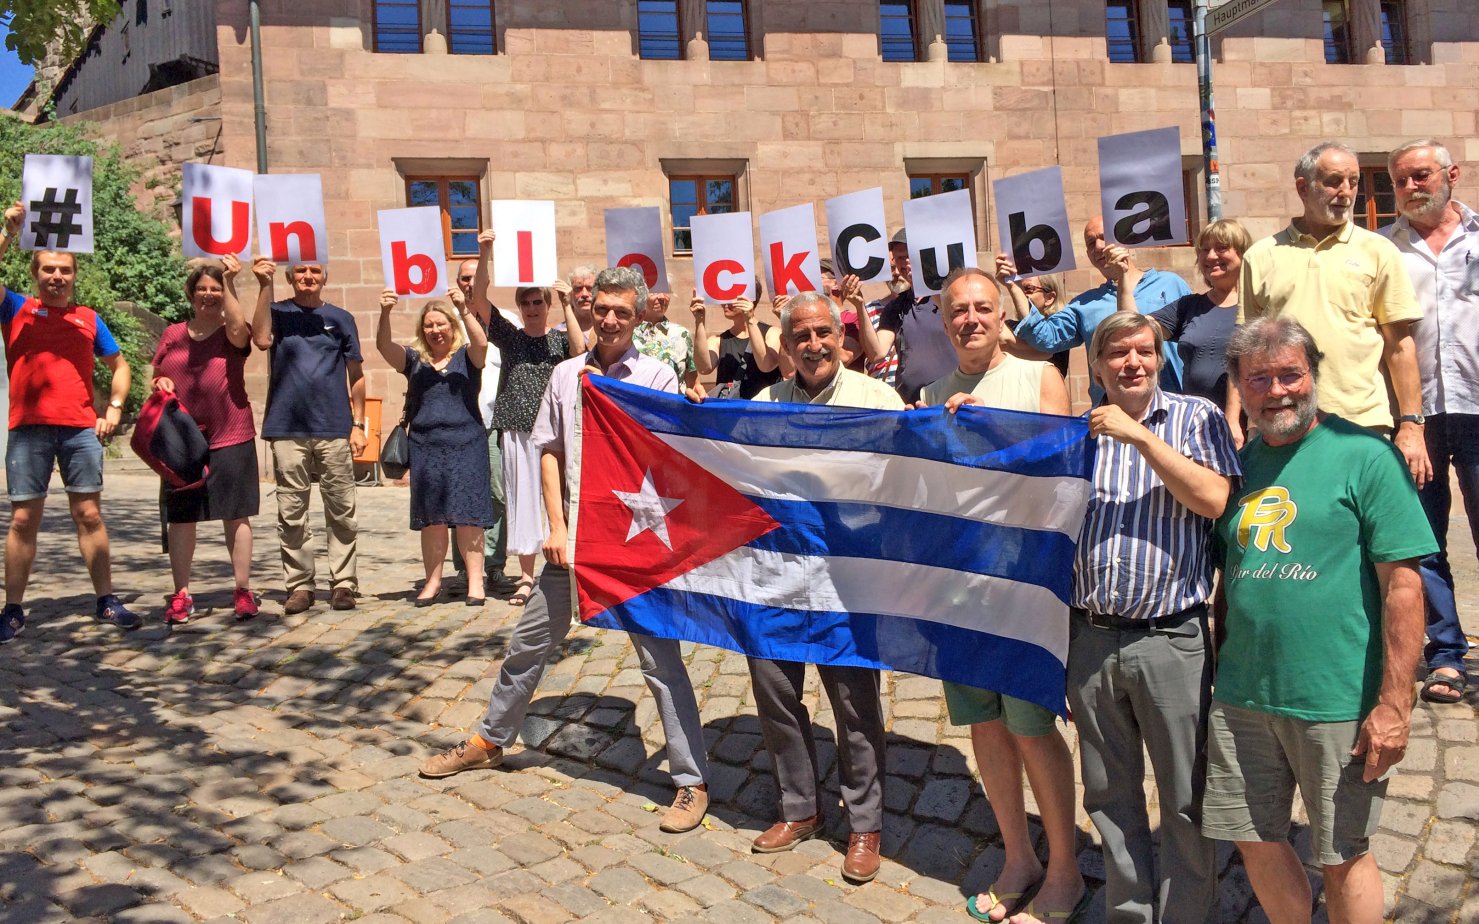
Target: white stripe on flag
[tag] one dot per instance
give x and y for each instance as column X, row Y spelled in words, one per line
column 907, row 482
column 998, row 606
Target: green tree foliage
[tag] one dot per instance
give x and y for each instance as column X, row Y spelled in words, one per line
column 35, row 24
column 136, row 260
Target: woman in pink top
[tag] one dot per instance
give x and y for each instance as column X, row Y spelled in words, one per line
column 203, row 361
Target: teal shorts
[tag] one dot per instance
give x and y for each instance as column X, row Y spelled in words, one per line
column 972, row 706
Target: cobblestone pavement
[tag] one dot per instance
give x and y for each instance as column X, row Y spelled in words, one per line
column 266, row 772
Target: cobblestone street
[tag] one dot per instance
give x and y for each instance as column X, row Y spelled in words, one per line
column 266, row 772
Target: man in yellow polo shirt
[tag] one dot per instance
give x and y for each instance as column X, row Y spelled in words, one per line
column 1349, row 288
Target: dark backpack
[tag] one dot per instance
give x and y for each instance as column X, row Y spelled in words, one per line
column 169, row 440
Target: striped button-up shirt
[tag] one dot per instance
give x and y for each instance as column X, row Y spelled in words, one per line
column 1143, row 554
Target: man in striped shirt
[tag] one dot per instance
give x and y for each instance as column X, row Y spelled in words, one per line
column 1139, row 665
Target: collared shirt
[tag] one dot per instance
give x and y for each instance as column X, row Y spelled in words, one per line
column 554, row 425
column 671, row 343
column 1143, row 554
column 1074, row 324
column 1342, row 289
column 924, row 349
column 1447, row 286
column 847, row 389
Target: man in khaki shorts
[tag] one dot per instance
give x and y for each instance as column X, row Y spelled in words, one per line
column 1324, row 622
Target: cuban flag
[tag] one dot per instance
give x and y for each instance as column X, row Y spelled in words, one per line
column 914, row 541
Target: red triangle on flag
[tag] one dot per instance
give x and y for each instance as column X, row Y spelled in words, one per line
column 646, row 513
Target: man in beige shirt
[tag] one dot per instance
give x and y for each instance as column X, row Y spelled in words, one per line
column 811, row 334
column 1349, row 288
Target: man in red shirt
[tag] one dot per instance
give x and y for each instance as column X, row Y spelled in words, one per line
column 50, row 345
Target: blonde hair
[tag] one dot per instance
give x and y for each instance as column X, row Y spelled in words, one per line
column 1229, row 232
column 446, row 311
column 1120, row 324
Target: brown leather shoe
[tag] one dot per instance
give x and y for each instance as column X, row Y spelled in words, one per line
column 862, row 861
column 688, row 810
column 342, row 599
column 465, row 756
column 298, row 601
column 783, row 835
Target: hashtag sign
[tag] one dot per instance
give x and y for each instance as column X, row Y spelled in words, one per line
column 55, row 218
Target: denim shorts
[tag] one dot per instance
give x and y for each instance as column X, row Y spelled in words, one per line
column 33, row 449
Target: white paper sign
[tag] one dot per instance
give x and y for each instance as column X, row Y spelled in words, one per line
column 858, row 234
column 942, row 237
column 723, row 257
column 788, row 244
column 634, row 238
column 1034, row 222
column 1140, row 188
column 57, row 193
column 290, row 218
column 413, row 251
column 524, row 249
column 217, row 214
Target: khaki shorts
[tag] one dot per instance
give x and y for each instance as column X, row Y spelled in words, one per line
column 1254, row 761
column 972, row 705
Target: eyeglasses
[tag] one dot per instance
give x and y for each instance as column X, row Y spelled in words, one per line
column 1264, row 382
column 1032, row 290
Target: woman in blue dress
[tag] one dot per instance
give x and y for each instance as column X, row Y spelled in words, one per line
column 450, row 485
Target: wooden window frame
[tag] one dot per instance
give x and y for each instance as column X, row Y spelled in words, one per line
column 375, row 29
column 913, row 19
column 700, row 202
column 444, row 204
column 1369, row 217
column 1132, row 16
column 678, row 35
column 977, row 45
column 744, row 15
column 492, row 29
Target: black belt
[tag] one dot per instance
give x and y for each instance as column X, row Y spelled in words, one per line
column 1127, row 624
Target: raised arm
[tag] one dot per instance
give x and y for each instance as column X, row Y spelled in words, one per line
column 481, row 305
column 767, row 355
column 263, row 269
column 390, row 351
column 572, row 327
column 15, row 216
column 705, row 357
column 477, row 341
column 237, row 330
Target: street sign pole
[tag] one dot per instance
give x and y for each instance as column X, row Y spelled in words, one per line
column 1209, row 112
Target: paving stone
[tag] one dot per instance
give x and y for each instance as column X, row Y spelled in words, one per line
column 619, row 885
column 99, row 899
column 317, row 872
column 738, row 912
column 356, row 831
column 1393, row 853
column 707, row 889
column 298, row 909
column 663, row 870
column 364, row 859
column 1434, row 884
column 884, row 904
column 210, row 901
column 575, row 899
column 417, row 845
column 1458, row 800
column 944, row 800
column 372, row 894
column 432, row 874
column 529, row 848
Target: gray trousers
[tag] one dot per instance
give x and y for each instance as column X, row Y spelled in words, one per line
column 1134, row 687
column 786, row 726
column 544, row 625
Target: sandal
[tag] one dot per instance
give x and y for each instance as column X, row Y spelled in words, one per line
column 1012, row 900
column 522, row 590
column 1457, row 686
column 1067, row 917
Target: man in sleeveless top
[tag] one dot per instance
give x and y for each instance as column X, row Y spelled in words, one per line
column 1008, row 733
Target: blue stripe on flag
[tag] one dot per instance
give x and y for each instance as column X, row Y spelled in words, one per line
column 1000, row 440
column 852, row 530
column 916, row 646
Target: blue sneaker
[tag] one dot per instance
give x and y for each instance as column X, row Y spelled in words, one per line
column 12, row 621
column 111, row 609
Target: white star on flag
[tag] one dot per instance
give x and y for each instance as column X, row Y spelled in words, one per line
column 649, row 510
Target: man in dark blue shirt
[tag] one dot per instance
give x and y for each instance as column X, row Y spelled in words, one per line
column 314, row 424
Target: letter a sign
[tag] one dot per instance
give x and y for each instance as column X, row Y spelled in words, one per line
column 217, row 215
column 1140, row 186
column 413, row 250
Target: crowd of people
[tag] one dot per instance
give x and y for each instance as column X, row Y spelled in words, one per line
column 1255, row 495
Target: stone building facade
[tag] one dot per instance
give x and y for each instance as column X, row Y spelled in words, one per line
column 572, row 106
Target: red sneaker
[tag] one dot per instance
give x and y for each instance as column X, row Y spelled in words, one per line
column 244, row 602
column 180, row 608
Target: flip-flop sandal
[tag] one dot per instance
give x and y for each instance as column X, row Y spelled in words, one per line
column 521, row 593
column 1067, row 917
column 1012, row 900
column 1457, row 684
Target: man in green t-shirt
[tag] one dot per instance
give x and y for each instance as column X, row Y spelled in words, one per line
column 1323, row 625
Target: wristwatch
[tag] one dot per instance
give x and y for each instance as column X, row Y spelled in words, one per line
column 1412, row 418
column 116, row 404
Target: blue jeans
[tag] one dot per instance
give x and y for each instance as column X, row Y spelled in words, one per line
column 1452, row 439
column 35, row 450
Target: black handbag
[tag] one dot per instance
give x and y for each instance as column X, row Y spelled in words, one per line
column 395, row 452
